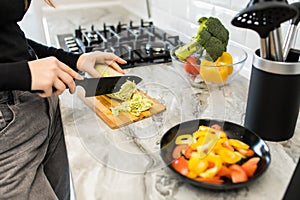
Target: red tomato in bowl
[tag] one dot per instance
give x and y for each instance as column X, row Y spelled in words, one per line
column 181, row 165
column 192, row 66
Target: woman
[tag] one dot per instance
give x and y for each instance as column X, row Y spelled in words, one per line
column 33, row 160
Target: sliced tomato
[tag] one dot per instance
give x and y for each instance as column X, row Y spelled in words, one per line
column 177, row 152
column 215, row 179
column 181, row 165
column 250, row 166
column 191, row 66
column 237, row 173
column 188, row 152
column 217, row 127
column 224, row 171
column 227, row 145
column 246, row 152
column 210, row 165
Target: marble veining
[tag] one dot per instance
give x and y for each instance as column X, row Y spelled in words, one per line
column 125, row 163
column 127, row 159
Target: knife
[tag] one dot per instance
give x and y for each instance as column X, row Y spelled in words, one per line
column 105, row 85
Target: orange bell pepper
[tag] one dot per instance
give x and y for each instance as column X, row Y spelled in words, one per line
column 218, row 71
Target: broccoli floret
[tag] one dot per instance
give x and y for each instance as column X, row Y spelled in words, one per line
column 214, row 48
column 211, row 36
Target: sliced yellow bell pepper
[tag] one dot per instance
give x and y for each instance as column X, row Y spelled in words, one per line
column 223, row 135
column 184, row 139
column 197, row 165
column 229, row 156
column 197, row 143
column 225, row 59
column 198, row 134
column 238, row 144
column 211, row 172
column 204, row 140
column 191, row 174
column 203, row 128
column 216, row 72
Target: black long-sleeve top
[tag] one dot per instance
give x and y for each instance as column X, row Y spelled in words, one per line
column 16, row 50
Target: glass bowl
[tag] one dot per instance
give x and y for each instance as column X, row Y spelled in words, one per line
column 221, row 74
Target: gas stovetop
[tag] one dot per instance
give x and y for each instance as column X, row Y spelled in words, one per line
column 139, row 44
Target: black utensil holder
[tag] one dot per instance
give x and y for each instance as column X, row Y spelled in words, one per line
column 274, row 97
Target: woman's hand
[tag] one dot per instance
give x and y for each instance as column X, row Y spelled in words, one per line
column 87, row 62
column 52, row 76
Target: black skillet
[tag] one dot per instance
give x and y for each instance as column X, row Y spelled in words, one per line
column 233, row 131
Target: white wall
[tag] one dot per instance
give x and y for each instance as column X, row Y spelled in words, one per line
column 182, row 16
column 69, row 2
column 32, row 23
column 179, row 16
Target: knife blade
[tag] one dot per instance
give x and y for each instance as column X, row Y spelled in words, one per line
column 105, row 85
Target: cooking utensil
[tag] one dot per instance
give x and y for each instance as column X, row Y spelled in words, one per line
column 263, row 17
column 291, row 33
column 275, row 42
column 294, row 55
column 233, row 131
column 105, row 85
column 269, row 113
column 275, row 45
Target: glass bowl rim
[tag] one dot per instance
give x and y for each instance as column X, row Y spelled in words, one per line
column 244, row 57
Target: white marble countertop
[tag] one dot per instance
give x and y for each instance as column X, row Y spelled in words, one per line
column 125, row 163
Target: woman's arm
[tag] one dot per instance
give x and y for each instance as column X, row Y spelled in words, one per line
column 84, row 62
column 43, row 51
column 55, row 69
column 47, row 75
column 15, row 76
column 18, row 75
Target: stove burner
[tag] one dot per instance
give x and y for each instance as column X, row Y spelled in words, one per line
column 156, row 47
column 138, row 45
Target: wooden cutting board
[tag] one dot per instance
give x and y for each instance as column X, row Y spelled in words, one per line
column 102, row 104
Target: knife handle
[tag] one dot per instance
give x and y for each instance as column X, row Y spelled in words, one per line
column 77, row 82
column 42, row 91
